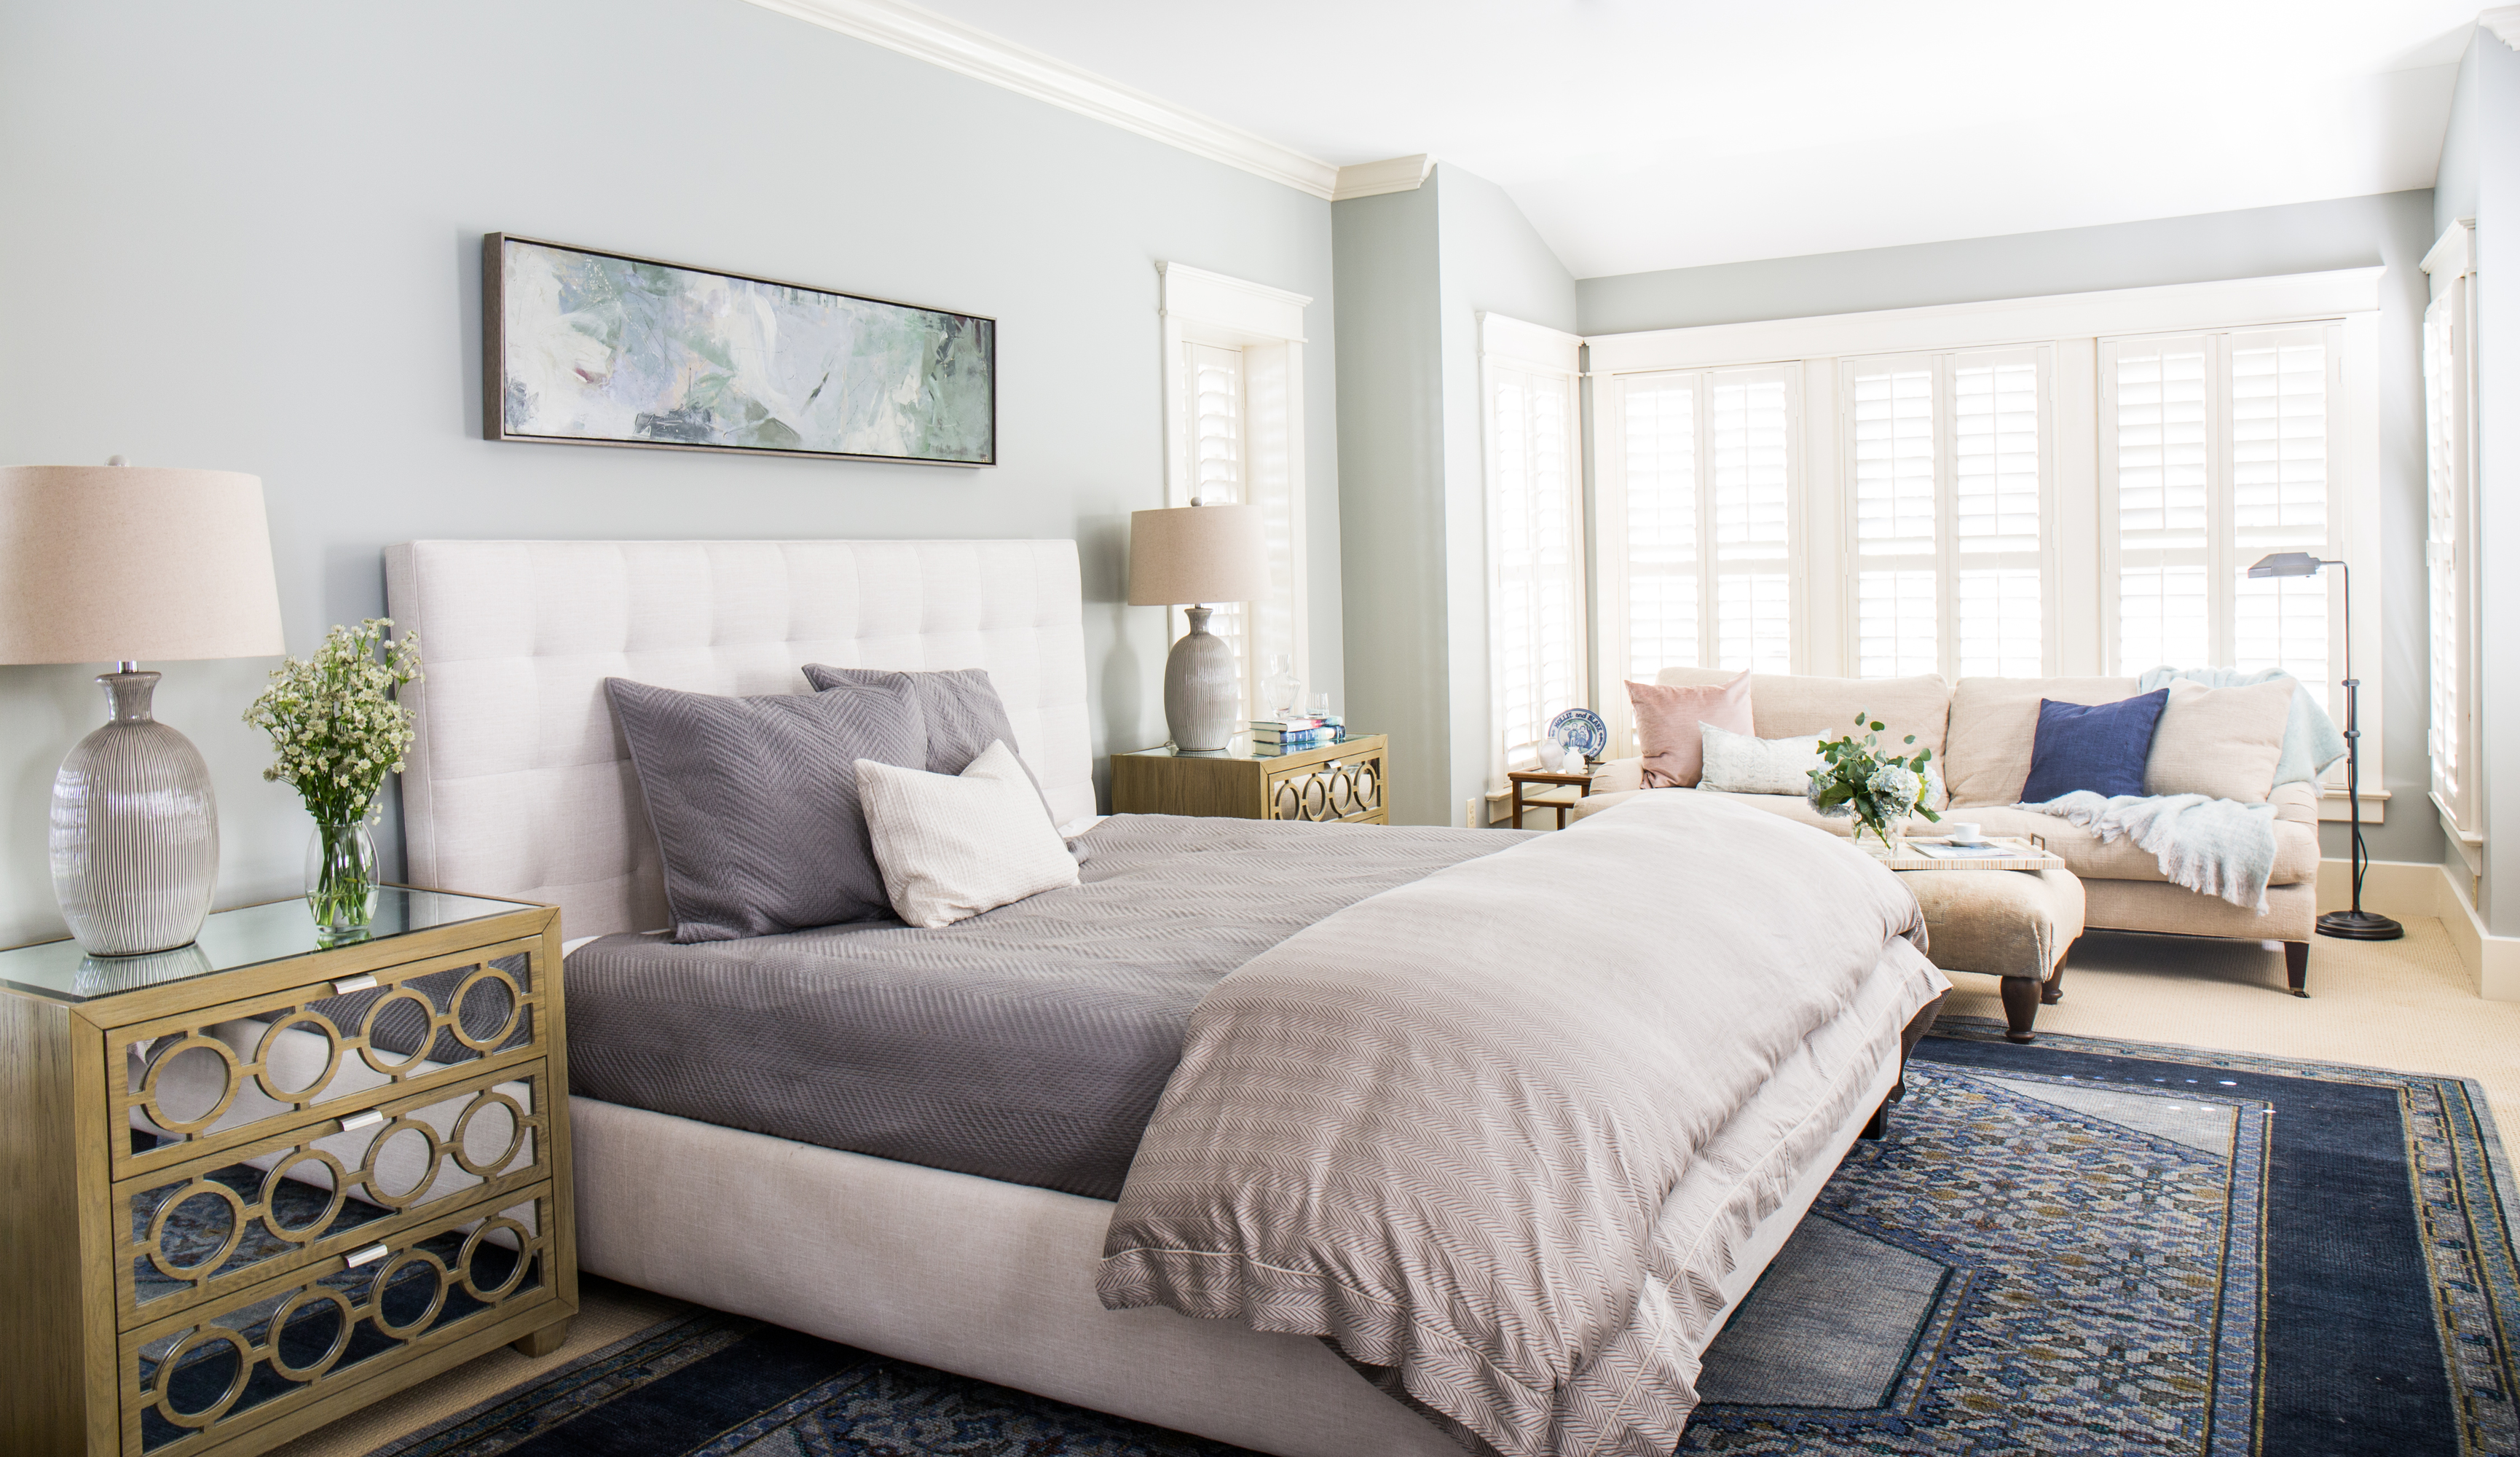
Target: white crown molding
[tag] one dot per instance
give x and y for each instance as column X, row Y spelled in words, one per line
column 955, row 46
column 1371, row 179
column 1529, row 346
column 2504, row 22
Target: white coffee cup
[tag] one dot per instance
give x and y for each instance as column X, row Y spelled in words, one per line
column 1962, row 832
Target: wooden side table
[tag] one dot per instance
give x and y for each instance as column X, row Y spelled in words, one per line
column 252, row 1184
column 1336, row 783
column 1519, row 778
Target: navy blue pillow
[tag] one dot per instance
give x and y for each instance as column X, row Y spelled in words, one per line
column 2096, row 746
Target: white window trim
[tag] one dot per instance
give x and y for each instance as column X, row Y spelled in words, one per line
column 1538, row 349
column 2072, row 324
column 2451, row 267
column 1267, row 324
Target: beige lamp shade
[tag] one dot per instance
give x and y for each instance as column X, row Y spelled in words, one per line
column 1185, row 553
column 104, row 564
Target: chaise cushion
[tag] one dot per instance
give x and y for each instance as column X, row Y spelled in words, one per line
column 2222, row 742
column 2296, row 846
column 1993, row 724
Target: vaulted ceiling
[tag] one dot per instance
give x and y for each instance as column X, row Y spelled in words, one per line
column 1643, row 134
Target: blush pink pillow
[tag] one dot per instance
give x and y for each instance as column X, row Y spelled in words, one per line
column 1667, row 720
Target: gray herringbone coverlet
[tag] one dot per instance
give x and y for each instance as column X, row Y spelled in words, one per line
column 1504, row 1129
column 1029, row 1044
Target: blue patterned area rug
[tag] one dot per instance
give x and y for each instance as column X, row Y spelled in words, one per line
column 2083, row 1245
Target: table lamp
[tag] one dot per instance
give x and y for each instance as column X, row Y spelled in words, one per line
column 2358, row 923
column 1192, row 556
column 115, row 564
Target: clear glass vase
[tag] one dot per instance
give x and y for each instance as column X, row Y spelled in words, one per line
column 342, row 879
column 1281, row 689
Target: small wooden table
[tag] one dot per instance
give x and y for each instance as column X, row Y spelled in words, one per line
column 1521, row 777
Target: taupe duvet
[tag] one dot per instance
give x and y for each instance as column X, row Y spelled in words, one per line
column 1500, row 1129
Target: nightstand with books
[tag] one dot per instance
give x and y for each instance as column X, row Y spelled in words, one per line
column 1277, row 770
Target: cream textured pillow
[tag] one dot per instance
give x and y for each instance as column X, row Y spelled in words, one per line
column 1741, row 764
column 952, row 845
column 2222, row 742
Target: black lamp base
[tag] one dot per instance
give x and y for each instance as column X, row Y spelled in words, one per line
column 2360, row 925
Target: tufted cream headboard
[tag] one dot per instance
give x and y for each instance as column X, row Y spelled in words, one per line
column 519, row 784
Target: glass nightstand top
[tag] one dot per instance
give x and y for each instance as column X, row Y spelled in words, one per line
column 247, row 936
column 1239, row 747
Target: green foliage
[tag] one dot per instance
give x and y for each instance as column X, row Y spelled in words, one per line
column 1856, row 777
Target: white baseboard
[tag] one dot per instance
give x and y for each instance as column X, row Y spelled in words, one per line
column 2414, row 887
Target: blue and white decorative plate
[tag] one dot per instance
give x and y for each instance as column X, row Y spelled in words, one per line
column 1582, row 730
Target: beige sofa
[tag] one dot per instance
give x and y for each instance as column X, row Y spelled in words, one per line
column 1981, row 731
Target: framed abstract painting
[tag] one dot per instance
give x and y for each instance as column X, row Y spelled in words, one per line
column 590, row 348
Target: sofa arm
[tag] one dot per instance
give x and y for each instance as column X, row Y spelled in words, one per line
column 1620, row 775
column 2297, row 801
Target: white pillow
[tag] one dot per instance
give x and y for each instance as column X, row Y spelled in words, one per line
column 952, row 846
column 1746, row 765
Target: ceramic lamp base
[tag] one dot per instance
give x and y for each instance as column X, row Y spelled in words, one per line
column 1202, row 687
column 135, row 831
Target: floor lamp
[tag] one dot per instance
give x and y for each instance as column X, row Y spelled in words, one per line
column 2358, row 923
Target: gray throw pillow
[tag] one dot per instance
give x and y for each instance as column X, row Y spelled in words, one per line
column 754, row 800
column 965, row 716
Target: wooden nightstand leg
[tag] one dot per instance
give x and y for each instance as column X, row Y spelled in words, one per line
column 544, row 1341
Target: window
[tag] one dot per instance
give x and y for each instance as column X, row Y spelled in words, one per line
column 1233, row 435
column 2450, row 382
column 1535, row 531
column 2070, row 487
column 2215, row 451
column 1947, row 457
column 1698, row 530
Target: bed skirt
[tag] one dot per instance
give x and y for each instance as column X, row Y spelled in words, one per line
column 987, row 1279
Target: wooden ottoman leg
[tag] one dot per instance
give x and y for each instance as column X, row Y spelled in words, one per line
column 2297, row 967
column 2020, row 1008
column 2052, row 990
column 544, row 1341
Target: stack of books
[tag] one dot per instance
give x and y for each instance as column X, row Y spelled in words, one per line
column 1289, row 735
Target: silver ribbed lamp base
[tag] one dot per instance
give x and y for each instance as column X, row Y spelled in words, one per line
column 135, row 833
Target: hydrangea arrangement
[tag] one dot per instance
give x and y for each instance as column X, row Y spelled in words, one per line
column 338, row 732
column 1879, row 790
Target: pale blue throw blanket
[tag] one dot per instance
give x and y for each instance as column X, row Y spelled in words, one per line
column 2212, row 846
column 2310, row 741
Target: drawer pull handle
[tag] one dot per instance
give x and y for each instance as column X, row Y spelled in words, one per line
column 349, row 984
column 358, row 1120
column 368, row 1256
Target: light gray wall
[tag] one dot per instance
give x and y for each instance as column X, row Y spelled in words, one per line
column 1391, row 501
column 246, row 236
column 2394, row 229
column 2480, row 179
column 1416, row 270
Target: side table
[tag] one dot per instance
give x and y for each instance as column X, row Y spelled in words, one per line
column 1519, row 778
column 1340, row 782
column 257, row 1182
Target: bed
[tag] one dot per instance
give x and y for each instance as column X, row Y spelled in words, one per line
column 517, row 784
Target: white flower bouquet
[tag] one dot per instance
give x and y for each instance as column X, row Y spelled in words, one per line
column 338, row 731
column 1879, row 790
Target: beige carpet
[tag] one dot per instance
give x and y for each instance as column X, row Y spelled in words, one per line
column 2389, row 1004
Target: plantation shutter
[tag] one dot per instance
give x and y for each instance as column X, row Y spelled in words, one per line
column 1749, row 440
column 1536, row 639
column 1948, row 465
column 2449, row 464
column 1220, row 475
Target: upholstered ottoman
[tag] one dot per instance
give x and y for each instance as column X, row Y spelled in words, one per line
column 2013, row 924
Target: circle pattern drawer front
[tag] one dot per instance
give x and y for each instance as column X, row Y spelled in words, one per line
column 219, row 1224
column 197, row 1379
column 1340, row 790
column 220, row 1078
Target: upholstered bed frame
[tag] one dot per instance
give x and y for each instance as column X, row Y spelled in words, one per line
column 518, row 786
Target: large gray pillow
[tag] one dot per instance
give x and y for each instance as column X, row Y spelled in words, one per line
column 754, row 800
column 965, row 716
